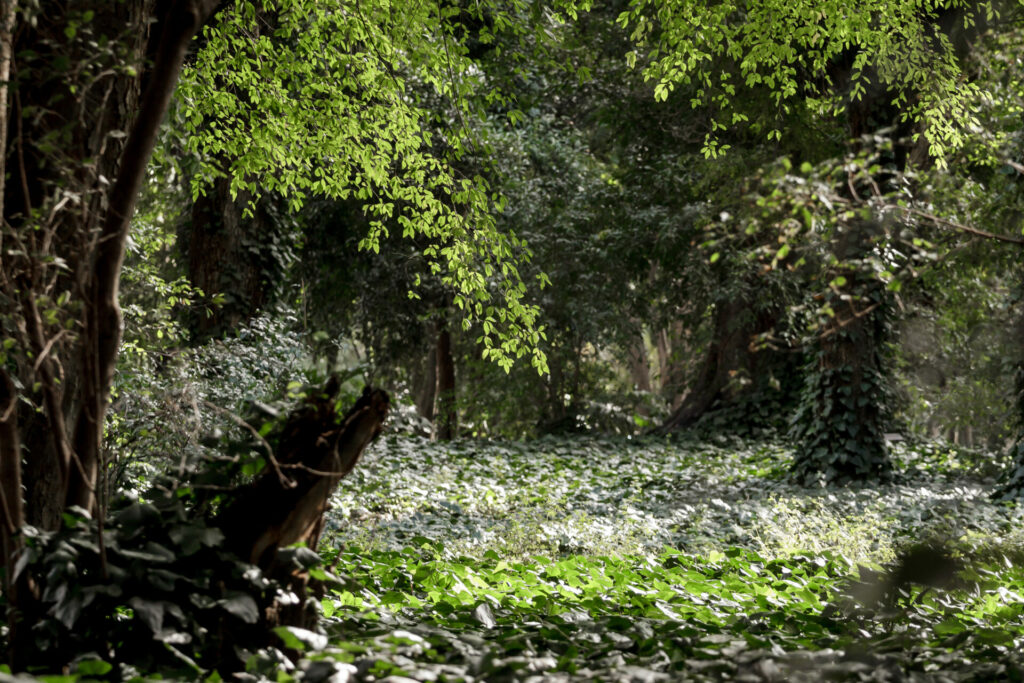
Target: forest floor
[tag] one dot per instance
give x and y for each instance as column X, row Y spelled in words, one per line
column 644, row 560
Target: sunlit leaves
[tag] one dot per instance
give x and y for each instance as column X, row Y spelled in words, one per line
column 791, row 48
column 309, row 99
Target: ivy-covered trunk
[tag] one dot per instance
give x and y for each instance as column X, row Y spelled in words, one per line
column 839, row 426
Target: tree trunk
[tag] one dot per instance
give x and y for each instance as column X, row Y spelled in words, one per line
column 639, row 369
column 1012, row 485
column 841, row 421
column 286, row 504
column 447, row 413
column 11, row 511
column 66, row 212
column 671, row 368
column 426, row 386
column 226, row 259
column 729, row 360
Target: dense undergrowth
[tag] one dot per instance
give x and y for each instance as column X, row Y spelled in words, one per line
column 619, row 560
column 646, row 560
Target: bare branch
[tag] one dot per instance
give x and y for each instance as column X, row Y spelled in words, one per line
column 285, row 481
column 960, row 226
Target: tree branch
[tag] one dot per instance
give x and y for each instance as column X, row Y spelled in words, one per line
column 961, row 226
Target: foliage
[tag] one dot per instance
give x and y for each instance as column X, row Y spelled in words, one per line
column 554, row 496
column 439, row 581
column 569, row 558
column 791, row 48
column 166, row 406
column 594, row 557
column 324, row 103
column 956, row 351
column 158, row 593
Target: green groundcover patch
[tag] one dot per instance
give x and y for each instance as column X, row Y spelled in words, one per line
column 623, row 560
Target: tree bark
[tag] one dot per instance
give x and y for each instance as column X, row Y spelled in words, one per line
column 11, row 511
column 8, row 10
column 102, row 335
column 286, row 504
column 446, row 421
column 225, row 258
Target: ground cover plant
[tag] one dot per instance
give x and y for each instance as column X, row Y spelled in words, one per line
column 576, row 559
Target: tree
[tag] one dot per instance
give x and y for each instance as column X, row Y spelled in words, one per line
column 876, row 65
column 85, row 122
column 91, row 82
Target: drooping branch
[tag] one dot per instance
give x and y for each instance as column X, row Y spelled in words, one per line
column 938, row 220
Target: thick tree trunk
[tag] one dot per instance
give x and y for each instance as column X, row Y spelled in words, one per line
column 11, row 511
column 446, row 420
column 841, row 421
column 66, row 212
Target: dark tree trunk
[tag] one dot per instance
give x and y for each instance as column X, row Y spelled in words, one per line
column 446, row 421
column 286, row 504
column 1012, row 485
column 729, row 363
column 77, row 145
column 226, row 258
column 69, row 373
column 11, row 511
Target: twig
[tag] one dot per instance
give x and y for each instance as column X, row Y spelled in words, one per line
column 961, row 226
column 46, row 350
column 285, row 481
column 307, row 468
column 841, row 323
